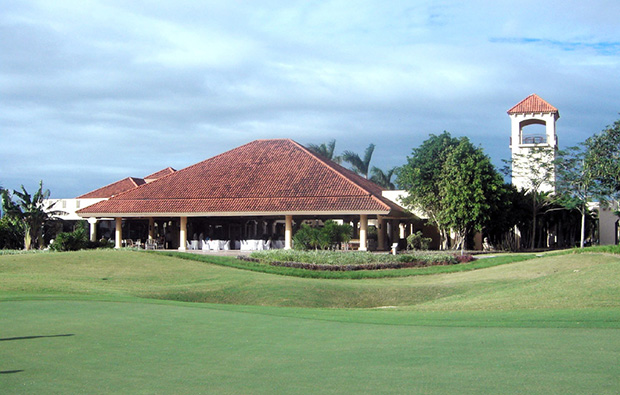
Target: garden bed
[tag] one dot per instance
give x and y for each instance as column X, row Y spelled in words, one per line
column 351, row 261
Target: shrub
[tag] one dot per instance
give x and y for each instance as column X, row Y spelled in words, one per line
column 70, row 241
column 417, row 241
column 11, row 234
column 309, row 238
column 77, row 240
column 347, row 261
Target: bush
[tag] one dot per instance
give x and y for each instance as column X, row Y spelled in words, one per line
column 70, row 241
column 417, row 241
column 309, row 238
column 77, row 240
column 11, row 234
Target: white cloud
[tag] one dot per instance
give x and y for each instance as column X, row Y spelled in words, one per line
column 93, row 91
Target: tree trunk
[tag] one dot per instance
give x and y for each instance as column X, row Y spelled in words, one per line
column 443, row 239
column 27, row 238
column 583, row 225
column 463, row 241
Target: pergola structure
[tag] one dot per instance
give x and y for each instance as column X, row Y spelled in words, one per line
column 265, row 181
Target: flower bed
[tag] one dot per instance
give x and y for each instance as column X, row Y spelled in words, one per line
column 350, row 261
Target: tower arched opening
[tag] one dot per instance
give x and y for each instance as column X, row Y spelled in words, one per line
column 533, row 131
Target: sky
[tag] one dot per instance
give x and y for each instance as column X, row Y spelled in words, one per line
column 94, row 91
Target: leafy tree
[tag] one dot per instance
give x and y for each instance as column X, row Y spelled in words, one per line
column 326, row 150
column 454, row 184
column 536, row 168
column 576, row 183
column 470, row 188
column 382, row 178
column 359, row 165
column 512, row 209
column 31, row 212
column 604, row 151
column 422, row 176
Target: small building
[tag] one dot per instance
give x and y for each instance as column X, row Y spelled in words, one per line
column 261, row 190
column 69, row 207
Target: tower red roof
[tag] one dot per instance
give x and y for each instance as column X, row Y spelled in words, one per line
column 533, row 104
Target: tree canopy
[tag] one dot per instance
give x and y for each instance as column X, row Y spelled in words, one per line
column 326, row 150
column 576, row 185
column 470, row 187
column 359, row 165
column 453, row 183
column 383, row 178
column 603, row 150
column 31, row 212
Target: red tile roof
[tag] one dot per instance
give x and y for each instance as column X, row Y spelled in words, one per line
column 159, row 174
column 532, row 104
column 261, row 177
column 114, row 189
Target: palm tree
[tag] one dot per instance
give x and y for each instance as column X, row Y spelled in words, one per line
column 381, row 178
column 31, row 211
column 359, row 165
column 325, row 150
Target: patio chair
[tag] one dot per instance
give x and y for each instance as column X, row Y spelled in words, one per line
column 150, row 244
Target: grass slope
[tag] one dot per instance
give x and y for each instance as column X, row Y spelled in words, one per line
column 558, row 282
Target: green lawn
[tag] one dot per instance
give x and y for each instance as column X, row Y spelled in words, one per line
column 123, row 322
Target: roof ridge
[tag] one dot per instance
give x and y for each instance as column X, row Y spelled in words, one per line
column 131, row 179
column 331, row 165
column 170, row 169
column 189, row 167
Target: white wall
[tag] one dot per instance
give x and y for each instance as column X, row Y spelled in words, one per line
column 607, row 220
column 70, row 206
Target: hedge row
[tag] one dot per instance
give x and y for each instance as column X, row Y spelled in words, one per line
column 365, row 266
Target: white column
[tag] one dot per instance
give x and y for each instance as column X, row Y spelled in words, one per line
column 288, row 233
column 118, row 233
column 151, row 228
column 363, row 232
column 93, row 228
column 183, row 234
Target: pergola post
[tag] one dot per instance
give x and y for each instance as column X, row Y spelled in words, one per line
column 381, row 232
column 288, row 233
column 118, row 232
column 363, row 232
column 151, row 228
column 183, row 234
column 92, row 221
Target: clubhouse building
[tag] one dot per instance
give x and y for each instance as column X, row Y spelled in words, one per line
column 254, row 195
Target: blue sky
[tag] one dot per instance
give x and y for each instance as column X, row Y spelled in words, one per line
column 95, row 91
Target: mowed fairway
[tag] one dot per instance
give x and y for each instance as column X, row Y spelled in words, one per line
column 103, row 322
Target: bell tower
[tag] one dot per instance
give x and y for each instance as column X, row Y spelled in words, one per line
column 533, row 153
